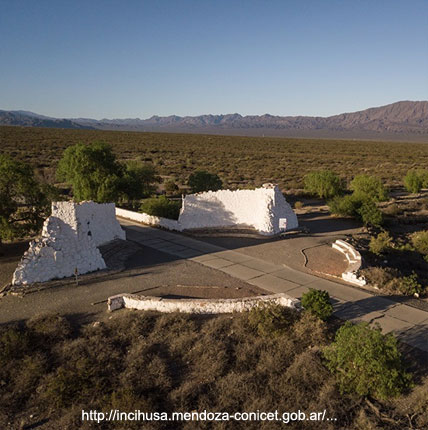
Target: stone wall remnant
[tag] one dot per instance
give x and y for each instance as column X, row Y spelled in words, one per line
column 69, row 241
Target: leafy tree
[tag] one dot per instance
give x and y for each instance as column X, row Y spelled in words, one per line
column 138, row 180
column 323, row 183
column 368, row 187
column 204, row 181
column 24, row 203
column 162, row 207
column 95, row 174
column 318, row 303
column 92, row 171
column 366, row 362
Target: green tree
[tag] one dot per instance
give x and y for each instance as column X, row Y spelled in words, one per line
column 368, row 187
column 24, row 202
column 139, row 180
column 318, row 303
column 204, row 181
column 92, row 171
column 323, row 183
column 366, row 362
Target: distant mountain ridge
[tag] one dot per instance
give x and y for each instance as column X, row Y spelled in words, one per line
column 404, row 118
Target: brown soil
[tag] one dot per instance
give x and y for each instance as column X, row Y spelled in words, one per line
column 10, row 255
column 324, row 259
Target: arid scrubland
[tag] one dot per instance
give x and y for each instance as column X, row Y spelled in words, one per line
column 239, row 161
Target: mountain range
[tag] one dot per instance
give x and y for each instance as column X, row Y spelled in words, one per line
column 397, row 121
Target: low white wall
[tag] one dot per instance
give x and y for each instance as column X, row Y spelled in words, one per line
column 197, row 306
column 69, row 241
column 265, row 209
column 354, row 262
column 144, row 218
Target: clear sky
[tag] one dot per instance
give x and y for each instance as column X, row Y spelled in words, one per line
column 121, row 59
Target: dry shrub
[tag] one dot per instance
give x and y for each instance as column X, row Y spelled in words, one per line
column 415, row 405
column 310, row 331
column 380, row 276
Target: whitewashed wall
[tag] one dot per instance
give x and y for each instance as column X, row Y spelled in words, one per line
column 262, row 208
column 69, row 241
column 198, row 306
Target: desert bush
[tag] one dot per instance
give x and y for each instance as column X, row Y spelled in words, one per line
column 381, row 243
column 391, row 281
column 298, row 205
column 368, row 187
column 318, row 303
column 367, row 362
column 271, row 319
column 323, row 183
column 162, row 207
column 405, row 285
column 413, row 181
column 370, row 214
column 420, row 241
column 171, row 187
column 357, row 207
column 345, row 206
column 204, row 181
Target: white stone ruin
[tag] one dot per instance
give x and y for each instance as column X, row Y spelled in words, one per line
column 264, row 209
column 69, row 242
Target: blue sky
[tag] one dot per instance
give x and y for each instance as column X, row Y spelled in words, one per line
column 119, row 59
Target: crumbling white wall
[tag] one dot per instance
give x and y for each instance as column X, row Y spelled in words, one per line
column 198, row 306
column 264, row 208
column 69, row 241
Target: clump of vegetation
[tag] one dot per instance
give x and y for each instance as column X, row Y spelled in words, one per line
column 298, row 205
column 367, row 187
column 162, row 207
column 381, row 243
column 357, row 207
column 367, row 362
column 415, row 180
column 171, row 187
column 271, row 319
column 420, row 242
column 202, row 180
column 323, row 183
column 138, row 180
column 391, row 281
column 24, row 202
column 318, row 303
column 189, row 362
column 94, row 174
